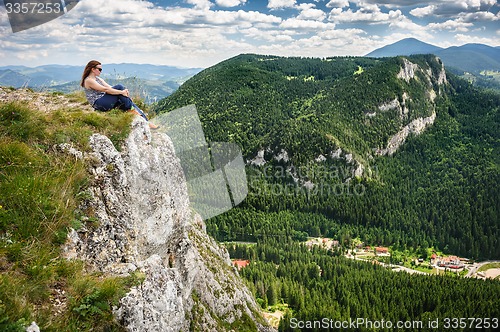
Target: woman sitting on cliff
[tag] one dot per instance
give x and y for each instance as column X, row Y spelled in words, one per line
column 104, row 97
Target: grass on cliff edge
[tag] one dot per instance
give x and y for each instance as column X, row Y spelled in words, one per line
column 39, row 190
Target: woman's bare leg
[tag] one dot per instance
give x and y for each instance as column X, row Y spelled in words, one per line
column 151, row 125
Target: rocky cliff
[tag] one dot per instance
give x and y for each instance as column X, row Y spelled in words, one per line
column 416, row 126
column 139, row 198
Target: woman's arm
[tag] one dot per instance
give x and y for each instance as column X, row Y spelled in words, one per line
column 92, row 84
column 103, row 82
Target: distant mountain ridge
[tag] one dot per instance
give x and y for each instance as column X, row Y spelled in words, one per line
column 408, row 46
column 472, row 58
column 161, row 80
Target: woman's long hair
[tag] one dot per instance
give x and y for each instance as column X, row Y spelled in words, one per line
column 88, row 69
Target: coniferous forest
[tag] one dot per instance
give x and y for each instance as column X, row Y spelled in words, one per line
column 439, row 189
column 317, row 283
column 316, row 123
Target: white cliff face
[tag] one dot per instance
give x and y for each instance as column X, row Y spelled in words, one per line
column 406, row 98
column 416, row 127
column 442, row 74
column 408, row 70
column 259, row 159
column 391, row 105
column 394, row 105
column 283, row 155
column 140, row 200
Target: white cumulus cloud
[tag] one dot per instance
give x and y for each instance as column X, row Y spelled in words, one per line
column 200, row 4
column 450, row 8
column 463, row 39
column 371, row 14
column 337, row 4
column 295, row 23
column 230, row 3
column 453, row 25
column 279, row 4
column 423, row 11
column 309, row 12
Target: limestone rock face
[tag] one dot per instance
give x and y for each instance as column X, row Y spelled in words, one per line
column 140, row 200
column 416, row 127
column 407, row 72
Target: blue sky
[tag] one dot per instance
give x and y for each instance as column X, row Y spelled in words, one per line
column 200, row 33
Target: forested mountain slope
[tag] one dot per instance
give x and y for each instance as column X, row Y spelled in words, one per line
column 391, row 150
column 251, row 99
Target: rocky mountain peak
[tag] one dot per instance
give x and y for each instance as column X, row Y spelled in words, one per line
column 140, row 200
column 409, row 70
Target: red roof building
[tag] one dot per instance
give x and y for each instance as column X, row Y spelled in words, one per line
column 239, row 263
column 452, row 262
column 381, row 250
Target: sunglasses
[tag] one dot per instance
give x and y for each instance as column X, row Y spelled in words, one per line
column 100, row 69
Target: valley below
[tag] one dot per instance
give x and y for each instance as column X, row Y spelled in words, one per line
column 357, row 168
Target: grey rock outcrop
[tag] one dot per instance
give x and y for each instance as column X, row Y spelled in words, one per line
column 416, row 127
column 140, row 200
column 407, row 72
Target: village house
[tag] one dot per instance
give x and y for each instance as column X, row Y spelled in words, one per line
column 382, row 251
column 464, row 260
column 239, row 263
column 316, row 241
column 323, row 242
column 451, row 262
